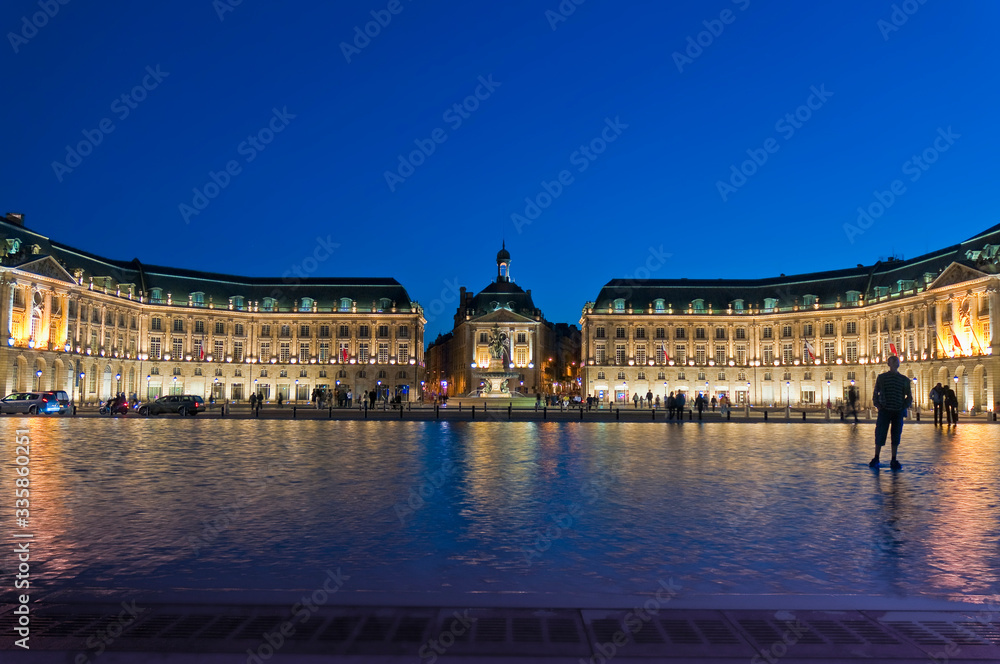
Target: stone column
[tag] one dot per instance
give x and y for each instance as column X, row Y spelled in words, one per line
column 994, row 306
column 45, row 324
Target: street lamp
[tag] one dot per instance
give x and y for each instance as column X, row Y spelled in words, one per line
column 118, row 380
column 147, row 386
column 296, row 390
column 38, row 379
column 788, row 394
column 83, row 375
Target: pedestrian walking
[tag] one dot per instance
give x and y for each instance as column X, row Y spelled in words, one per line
column 649, row 398
column 891, row 396
column 679, row 404
column 951, row 404
column 281, row 401
column 635, row 399
column 714, row 402
column 671, row 406
column 937, row 399
column 852, row 398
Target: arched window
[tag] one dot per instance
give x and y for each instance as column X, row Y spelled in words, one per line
column 402, row 375
column 698, row 305
column 237, row 302
column 361, row 374
column 619, row 305
column 770, row 303
column 382, row 375
column 738, row 305
column 267, row 304
column 384, row 303
column 156, row 296
column 198, row 299
column 345, row 304
column 809, row 300
column 658, row 306
column 307, row 304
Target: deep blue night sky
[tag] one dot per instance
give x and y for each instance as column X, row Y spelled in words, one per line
column 554, row 90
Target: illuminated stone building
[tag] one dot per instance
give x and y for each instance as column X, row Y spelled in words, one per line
column 93, row 327
column 455, row 359
column 804, row 339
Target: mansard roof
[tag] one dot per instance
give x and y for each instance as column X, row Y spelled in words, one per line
column 505, row 295
column 884, row 278
column 180, row 282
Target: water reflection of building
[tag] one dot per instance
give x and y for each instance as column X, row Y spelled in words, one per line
column 94, row 326
column 454, row 358
column 806, row 338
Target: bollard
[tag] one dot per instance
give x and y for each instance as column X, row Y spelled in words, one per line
column 918, row 416
column 699, row 414
column 653, row 413
column 581, row 414
column 510, row 409
column 437, row 414
column 765, row 416
column 484, row 406
column 74, row 411
column 460, row 406
column 690, row 416
column 803, row 416
column 294, row 411
column 473, row 411
column 729, row 415
column 545, row 412
column 400, row 412
column 366, row 410
column 222, row 410
column 618, row 413
column 331, row 413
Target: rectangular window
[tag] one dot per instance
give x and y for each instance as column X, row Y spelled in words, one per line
column 681, row 354
column 363, row 352
column 720, row 355
column 640, row 354
column 828, row 329
column 220, row 351
column 521, row 356
column 265, row 330
column 343, row 351
column 741, row 333
column 661, row 333
column 786, row 331
column 403, row 332
column 600, row 354
column 237, row 351
column 93, row 339
column 741, row 354
column 324, row 331
column 364, row 332
column 522, row 337
column 766, row 333
column 852, row 351
column 178, row 325
column 303, row 352
column 303, row 330
column 324, row 351
column 198, row 350
column 403, row 353
column 383, row 331
column 851, row 327
column 720, row 333
column 620, row 354
column 600, row 333
column 620, row 333
column 220, row 327
column 383, row 353
column 344, row 331
column 808, row 396
column 286, row 330
column 807, row 330
column 265, row 351
column 640, row 333
column 786, row 353
column 661, row 355
column 284, row 351
column 156, row 323
column 679, row 333
column 829, row 352
column 699, row 354
column 699, row 333
column 177, row 348
column 155, row 351
column 238, row 329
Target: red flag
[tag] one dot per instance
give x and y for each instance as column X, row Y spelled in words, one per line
column 958, row 343
column 809, row 349
column 343, row 354
column 892, row 348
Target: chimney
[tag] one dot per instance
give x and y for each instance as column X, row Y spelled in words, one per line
column 16, row 218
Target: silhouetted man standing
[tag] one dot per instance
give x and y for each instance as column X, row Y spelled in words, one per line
column 892, row 396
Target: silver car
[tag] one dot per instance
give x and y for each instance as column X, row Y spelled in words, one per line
column 32, row 403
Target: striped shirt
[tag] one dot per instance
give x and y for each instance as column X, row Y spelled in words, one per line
column 892, row 391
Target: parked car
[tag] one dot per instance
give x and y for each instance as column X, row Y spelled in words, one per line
column 33, row 403
column 182, row 404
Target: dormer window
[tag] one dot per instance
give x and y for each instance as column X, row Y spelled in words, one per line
column 384, row 303
column 809, row 300
column 268, row 304
column 198, row 299
column 853, row 296
column 619, row 305
column 345, row 304
column 307, row 304
column 770, row 304
column 156, row 296
column 904, row 285
column 658, row 306
column 237, row 302
column 738, row 305
column 698, row 305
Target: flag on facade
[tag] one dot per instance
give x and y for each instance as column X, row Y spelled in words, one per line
column 201, row 348
column 811, row 351
column 343, row 354
column 666, row 357
column 958, row 344
column 892, row 349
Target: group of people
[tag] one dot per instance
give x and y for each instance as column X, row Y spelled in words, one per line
column 944, row 399
column 119, row 404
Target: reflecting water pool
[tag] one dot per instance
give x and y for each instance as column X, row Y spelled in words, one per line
column 483, row 507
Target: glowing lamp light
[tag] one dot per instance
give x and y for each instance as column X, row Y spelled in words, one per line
column 711, row 363
column 66, row 348
column 531, row 365
column 10, row 341
column 840, row 360
column 371, row 361
column 631, row 362
column 474, row 365
column 187, row 357
column 353, row 361
column 510, row 366
column 732, row 363
column 816, row 362
column 671, row 363
column 295, row 360
column 274, row 360
column 31, row 344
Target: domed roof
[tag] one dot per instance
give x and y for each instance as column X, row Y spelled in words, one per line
column 503, row 255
